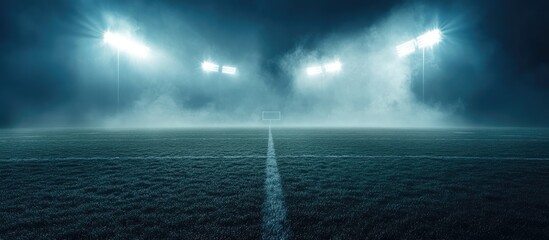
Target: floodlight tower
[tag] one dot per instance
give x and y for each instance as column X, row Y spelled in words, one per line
column 428, row 39
column 208, row 66
column 332, row 68
column 128, row 45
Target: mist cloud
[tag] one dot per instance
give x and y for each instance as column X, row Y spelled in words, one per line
column 374, row 88
column 58, row 71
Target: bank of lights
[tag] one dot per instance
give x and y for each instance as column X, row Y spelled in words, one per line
column 427, row 39
column 332, row 67
column 126, row 44
column 208, row 66
column 228, row 70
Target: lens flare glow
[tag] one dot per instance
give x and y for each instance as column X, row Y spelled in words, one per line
column 228, row 70
column 429, row 38
column 333, row 67
column 126, row 44
column 210, row 67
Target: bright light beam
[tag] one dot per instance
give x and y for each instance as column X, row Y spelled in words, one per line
column 228, row 70
column 314, row 70
column 210, row 67
column 126, row 44
column 406, row 48
column 333, row 67
column 429, row 38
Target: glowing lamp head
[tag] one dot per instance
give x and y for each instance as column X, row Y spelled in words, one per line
column 228, row 70
column 406, row 48
column 314, row 70
column 333, row 67
column 126, row 44
column 429, row 38
column 210, row 67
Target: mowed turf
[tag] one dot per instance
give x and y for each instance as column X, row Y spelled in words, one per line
column 415, row 184
column 198, row 184
column 337, row 183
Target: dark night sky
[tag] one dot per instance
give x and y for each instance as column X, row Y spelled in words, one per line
column 492, row 70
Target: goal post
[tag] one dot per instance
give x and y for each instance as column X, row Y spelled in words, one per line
column 271, row 116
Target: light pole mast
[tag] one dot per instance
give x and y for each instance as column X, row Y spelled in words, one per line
column 118, row 80
column 423, row 78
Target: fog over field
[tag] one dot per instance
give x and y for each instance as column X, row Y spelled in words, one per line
column 60, row 72
column 374, row 87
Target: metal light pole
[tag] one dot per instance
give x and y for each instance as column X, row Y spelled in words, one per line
column 423, row 80
column 118, row 80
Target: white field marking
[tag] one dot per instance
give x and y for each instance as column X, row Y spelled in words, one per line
column 282, row 156
column 420, row 156
column 275, row 225
column 131, row 158
column 133, row 140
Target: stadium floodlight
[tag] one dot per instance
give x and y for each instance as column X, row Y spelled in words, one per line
column 406, row 48
column 126, row 44
column 210, row 67
column 314, row 70
column 228, row 70
column 429, row 39
column 333, row 67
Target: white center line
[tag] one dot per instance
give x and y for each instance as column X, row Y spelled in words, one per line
column 275, row 225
